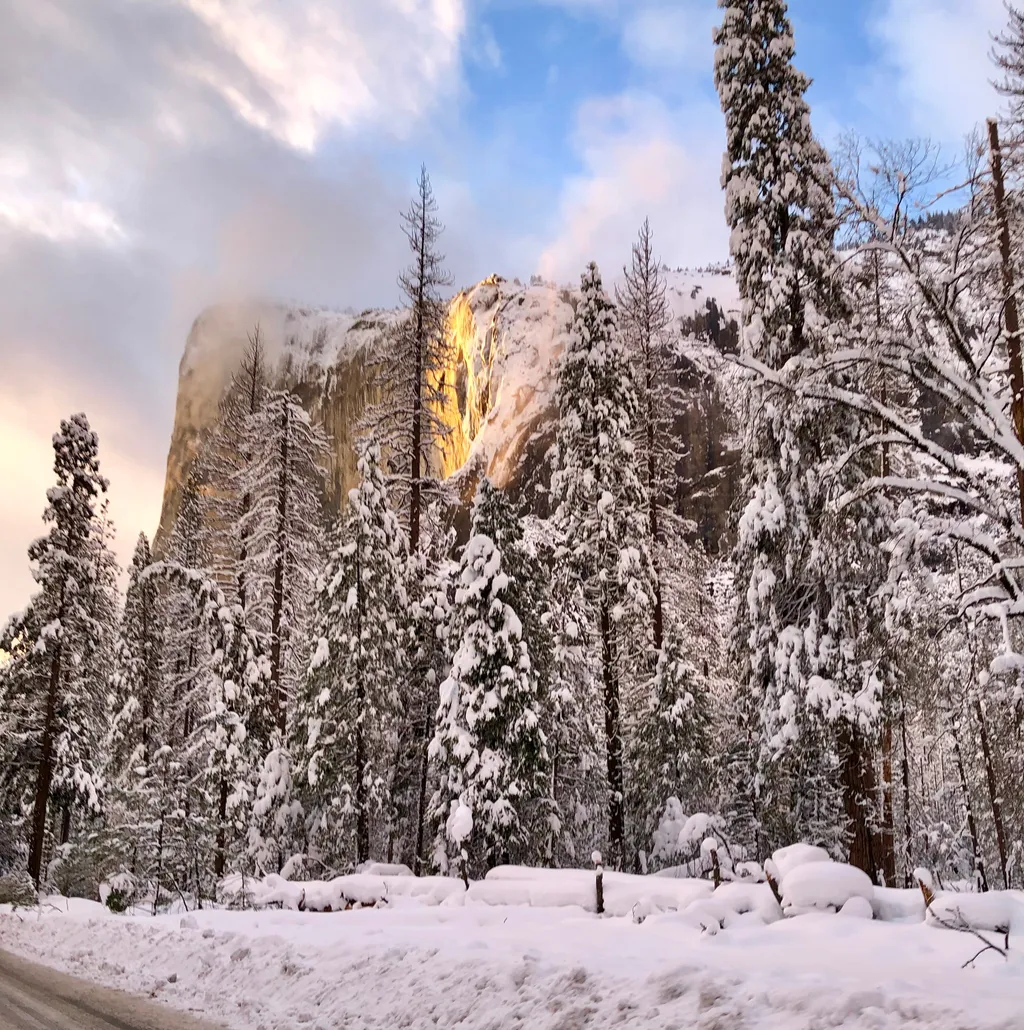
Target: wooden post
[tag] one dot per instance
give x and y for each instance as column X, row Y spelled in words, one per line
column 1010, row 314
column 599, row 882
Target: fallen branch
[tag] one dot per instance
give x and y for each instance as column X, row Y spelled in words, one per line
column 964, row 927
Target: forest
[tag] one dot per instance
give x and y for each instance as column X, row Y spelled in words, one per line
column 438, row 675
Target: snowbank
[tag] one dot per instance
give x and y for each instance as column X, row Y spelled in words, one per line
column 789, row 858
column 1000, row 911
column 358, row 890
column 824, row 885
column 624, row 893
column 478, row 966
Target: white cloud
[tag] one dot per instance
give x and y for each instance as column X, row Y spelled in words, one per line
column 935, row 76
column 305, row 67
column 671, row 36
column 641, row 159
column 61, row 211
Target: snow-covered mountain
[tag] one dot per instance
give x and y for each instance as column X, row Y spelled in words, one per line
column 507, row 337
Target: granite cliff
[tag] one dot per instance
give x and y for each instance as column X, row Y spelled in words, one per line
column 506, row 340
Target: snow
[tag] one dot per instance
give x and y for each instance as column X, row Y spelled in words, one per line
column 820, row 885
column 996, row 910
column 473, row 965
column 789, row 858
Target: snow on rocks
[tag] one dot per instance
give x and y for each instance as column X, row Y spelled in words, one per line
column 821, row 886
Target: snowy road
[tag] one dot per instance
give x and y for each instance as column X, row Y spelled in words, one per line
column 35, row 997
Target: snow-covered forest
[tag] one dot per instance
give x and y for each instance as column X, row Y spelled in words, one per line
column 438, row 675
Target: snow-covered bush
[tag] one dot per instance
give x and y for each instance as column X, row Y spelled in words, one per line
column 16, row 888
column 684, row 844
column 119, row 892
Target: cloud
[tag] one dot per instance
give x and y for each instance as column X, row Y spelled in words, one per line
column 304, row 67
column 934, row 73
column 156, row 157
column 641, row 159
column 672, row 37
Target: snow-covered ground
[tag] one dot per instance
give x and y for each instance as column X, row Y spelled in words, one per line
column 437, row 957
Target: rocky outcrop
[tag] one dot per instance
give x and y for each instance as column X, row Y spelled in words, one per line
column 506, row 339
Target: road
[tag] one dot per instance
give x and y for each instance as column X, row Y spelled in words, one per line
column 35, row 997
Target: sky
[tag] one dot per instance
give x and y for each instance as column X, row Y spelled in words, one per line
column 157, row 156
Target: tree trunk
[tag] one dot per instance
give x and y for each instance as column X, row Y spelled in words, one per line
column 972, row 825
column 277, row 610
column 887, row 835
column 908, row 868
column 421, row 804
column 220, row 857
column 362, row 817
column 993, row 792
column 858, row 778
column 613, row 740
column 652, row 500
column 1010, row 315
column 65, row 823
column 44, row 774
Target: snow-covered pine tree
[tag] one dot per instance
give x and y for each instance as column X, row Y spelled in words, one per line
column 349, row 710
column 51, row 702
column 138, row 701
column 412, row 361
column 227, row 456
column 489, row 745
column 235, row 672
column 186, row 657
column 283, row 528
column 283, row 532
column 601, row 512
column 138, row 721
column 644, row 320
column 670, row 751
column 801, row 570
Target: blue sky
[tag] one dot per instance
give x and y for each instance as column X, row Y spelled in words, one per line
column 157, row 157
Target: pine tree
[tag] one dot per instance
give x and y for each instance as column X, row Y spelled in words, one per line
column 186, row 657
column 489, row 743
column 801, row 571
column 52, row 643
column 601, row 510
column 282, row 486
column 414, row 363
column 284, row 481
column 413, row 369
column 139, row 723
column 138, row 699
column 350, row 706
column 645, row 319
column 671, row 749
column 228, row 455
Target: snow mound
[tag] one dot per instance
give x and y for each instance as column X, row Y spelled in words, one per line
column 624, row 893
column 857, row 908
column 357, row 890
column 898, row 905
column 999, row 911
column 824, row 885
column 795, row 855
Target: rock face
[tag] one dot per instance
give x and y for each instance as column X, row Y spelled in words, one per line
column 506, row 340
